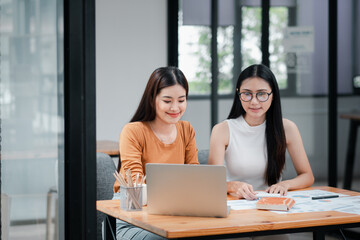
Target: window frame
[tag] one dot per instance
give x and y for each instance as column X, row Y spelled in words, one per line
column 173, row 36
column 290, row 91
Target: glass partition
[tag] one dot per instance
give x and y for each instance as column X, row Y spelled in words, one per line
column 31, row 119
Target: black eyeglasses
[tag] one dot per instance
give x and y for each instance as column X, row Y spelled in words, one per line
column 261, row 96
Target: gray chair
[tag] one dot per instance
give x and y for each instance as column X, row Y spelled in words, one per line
column 203, row 156
column 105, row 168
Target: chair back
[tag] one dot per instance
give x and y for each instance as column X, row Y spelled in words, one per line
column 203, row 156
column 105, row 167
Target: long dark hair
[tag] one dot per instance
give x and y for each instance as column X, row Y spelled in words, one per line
column 161, row 78
column 275, row 134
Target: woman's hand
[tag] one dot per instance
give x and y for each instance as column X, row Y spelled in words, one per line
column 280, row 188
column 243, row 190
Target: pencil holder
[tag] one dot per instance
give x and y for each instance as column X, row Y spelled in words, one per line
column 144, row 195
column 131, row 198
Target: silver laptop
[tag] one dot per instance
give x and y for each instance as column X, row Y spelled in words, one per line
column 188, row 190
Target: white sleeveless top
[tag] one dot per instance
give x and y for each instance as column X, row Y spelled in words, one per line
column 246, row 154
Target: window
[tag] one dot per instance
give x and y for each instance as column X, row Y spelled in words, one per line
column 194, row 57
column 238, row 43
column 279, row 19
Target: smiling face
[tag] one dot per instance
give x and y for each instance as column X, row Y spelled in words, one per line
column 170, row 104
column 255, row 110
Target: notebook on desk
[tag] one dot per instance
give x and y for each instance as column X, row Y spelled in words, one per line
column 187, row 190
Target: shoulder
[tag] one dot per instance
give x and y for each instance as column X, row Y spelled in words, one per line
column 185, row 129
column 133, row 128
column 289, row 125
column 220, row 132
column 221, row 127
column 291, row 130
column 134, row 125
column 185, row 125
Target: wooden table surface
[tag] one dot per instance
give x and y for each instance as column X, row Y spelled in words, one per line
column 109, row 147
column 238, row 221
column 351, row 116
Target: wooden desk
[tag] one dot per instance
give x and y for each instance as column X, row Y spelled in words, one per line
column 109, row 147
column 350, row 155
column 239, row 222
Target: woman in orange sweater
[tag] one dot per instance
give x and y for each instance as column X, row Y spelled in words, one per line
column 156, row 134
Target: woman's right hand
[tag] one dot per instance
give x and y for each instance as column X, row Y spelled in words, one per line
column 243, row 190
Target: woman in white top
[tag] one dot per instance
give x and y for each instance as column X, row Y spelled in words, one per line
column 253, row 140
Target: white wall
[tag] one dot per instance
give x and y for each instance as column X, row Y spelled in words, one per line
column 131, row 42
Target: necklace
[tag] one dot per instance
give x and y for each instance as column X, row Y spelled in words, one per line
column 167, row 139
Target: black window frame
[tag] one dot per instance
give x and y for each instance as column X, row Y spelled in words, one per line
column 173, row 52
column 80, row 120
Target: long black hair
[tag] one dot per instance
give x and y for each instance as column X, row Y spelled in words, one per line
column 275, row 134
column 161, row 78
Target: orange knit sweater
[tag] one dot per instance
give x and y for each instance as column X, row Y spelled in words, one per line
column 139, row 145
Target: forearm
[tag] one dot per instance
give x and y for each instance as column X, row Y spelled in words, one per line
column 135, row 167
column 191, row 155
column 301, row 181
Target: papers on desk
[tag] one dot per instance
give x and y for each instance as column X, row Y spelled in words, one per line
column 241, row 204
column 347, row 204
column 261, row 194
column 304, row 203
column 308, row 195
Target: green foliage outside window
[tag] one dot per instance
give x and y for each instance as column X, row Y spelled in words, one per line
column 200, row 77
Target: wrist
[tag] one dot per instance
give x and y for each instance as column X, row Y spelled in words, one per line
column 231, row 187
column 286, row 184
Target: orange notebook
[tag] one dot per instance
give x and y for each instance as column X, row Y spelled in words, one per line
column 275, row 203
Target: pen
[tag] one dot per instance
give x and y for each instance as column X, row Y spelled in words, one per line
column 324, row 197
